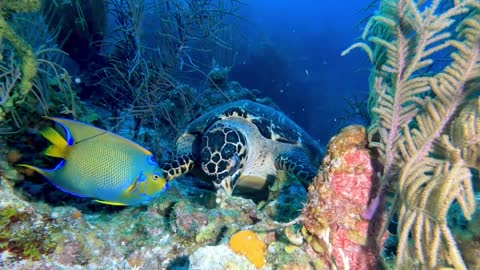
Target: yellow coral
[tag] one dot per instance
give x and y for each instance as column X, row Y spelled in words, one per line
column 249, row 245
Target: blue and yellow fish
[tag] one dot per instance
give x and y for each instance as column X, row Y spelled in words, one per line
column 102, row 165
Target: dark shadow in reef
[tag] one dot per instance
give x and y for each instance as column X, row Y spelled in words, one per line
column 221, row 235
column 377, row 219
column 179, row 263
column 291, row 200
column 49, row 194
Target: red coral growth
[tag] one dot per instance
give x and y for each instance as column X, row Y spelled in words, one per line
column 337, row 199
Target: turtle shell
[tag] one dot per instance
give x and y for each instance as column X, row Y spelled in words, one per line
column 271, row 123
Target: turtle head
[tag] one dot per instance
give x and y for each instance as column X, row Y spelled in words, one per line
column 223, row 155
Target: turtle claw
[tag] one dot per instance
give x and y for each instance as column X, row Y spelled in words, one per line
column 180, row 165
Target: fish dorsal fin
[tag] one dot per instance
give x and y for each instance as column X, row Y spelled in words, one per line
column 82, row 132
column 59, row 147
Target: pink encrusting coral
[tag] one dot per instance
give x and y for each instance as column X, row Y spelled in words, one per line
column 334, row 225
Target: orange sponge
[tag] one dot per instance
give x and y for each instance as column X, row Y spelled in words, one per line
column 248, row 244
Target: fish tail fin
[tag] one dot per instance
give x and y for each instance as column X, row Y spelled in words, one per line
column 59, row 144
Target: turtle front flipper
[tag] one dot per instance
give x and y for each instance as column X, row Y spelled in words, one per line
column 178, row 166
column 298, row 164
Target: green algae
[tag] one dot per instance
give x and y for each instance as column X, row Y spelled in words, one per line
column 22, row 238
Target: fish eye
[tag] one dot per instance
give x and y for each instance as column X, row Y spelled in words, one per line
column 156, row 176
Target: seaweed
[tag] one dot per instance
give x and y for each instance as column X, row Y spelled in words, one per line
column 11, row 96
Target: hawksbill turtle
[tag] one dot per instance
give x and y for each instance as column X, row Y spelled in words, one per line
column 244, row 143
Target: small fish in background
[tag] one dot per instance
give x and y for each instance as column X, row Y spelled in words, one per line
column 100, row 164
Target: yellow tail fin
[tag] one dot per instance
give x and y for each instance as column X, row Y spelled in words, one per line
column 59, row 144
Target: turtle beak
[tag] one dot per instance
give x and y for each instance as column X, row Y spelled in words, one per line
column 229, row 183
column 233, row 165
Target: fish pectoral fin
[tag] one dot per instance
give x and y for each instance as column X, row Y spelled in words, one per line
column 59, row 144
column 132, row 187
column 111, row 203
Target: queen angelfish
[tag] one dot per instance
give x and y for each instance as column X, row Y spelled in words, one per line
column 102, row 165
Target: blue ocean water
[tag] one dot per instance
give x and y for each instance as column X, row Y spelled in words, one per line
column 302, row 70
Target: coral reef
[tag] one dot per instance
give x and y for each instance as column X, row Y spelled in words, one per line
column 218, row 258
column 334, row 225
column 53, row 230
column 217, row 77
column 421, row 168
column 204, row 225
column 24, row 232
column 424, row 121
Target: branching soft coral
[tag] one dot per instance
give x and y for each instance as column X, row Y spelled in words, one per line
column 28, row 65
column 425, row 119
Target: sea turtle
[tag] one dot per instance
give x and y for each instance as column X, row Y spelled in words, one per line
column 243, row 143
